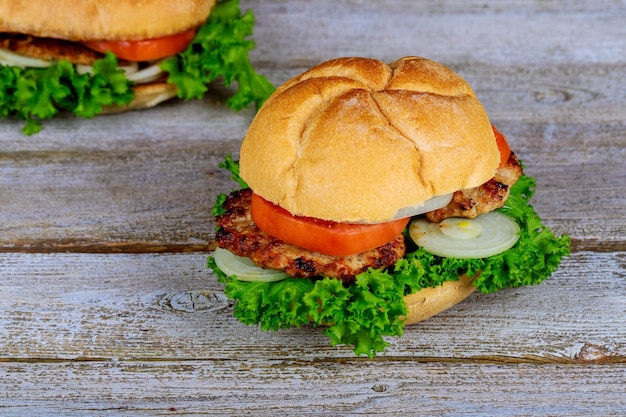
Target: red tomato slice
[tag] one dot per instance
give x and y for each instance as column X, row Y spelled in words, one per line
column 327, row 237
column 145, row 50
column 503, row 146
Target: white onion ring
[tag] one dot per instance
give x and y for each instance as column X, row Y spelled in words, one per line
column 243, row 269
column 16, row 60
column 147, row 74
column 492, row 233
column 431, row 204
column 132, row 71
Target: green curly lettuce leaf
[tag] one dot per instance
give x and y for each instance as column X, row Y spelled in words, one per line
column 357, row 315
column 35, row 94
column 220, row 49
column 233, row 167
column 361, row 315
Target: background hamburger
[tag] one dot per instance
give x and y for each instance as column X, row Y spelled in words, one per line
column 110, row 56
column 374, row 196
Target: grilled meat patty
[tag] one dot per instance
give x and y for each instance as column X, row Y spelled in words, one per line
column 48, row 49
column 484, row 198
column 238, row 234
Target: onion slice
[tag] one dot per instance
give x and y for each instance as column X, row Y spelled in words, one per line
column 487, row 235
column 146, row 75
column 16, row 60
column 431, row 204
column 133, row 73
column 244, row 269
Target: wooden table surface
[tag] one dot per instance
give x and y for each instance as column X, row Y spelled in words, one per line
column 105, row 226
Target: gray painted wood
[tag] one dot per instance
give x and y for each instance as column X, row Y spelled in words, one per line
column 105, row 225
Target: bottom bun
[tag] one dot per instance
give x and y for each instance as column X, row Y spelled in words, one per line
column 431, row 301
column 146, row 95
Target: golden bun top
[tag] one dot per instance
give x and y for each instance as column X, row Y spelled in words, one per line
column 355, row 139
column 102, row 19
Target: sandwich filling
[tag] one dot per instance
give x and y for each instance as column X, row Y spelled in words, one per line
column 240, row 235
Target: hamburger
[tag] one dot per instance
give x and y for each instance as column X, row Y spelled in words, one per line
column 371, row 197
column 110, row 56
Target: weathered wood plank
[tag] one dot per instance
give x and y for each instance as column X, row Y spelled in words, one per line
column 145, row 180
column 169, row 307
column 85, row 334
column 155, row 186
column 292, row 387
column 508, row 33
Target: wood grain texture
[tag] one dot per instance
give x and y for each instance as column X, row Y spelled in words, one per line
column 169, row 306
column 151, row 334
column 107, row 307
column 346, row 388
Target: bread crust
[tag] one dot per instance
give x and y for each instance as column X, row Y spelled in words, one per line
column 429, row 302
column 146, row 96
column 355, row 139
column 102, row 19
